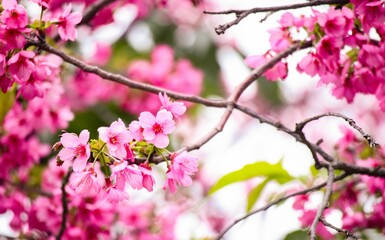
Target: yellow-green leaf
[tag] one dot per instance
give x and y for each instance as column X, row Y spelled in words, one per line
column 258, row 169
column 6, row 102
column 255, row 193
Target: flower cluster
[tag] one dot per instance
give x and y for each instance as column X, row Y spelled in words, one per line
column 347, row 54
column 118, row 149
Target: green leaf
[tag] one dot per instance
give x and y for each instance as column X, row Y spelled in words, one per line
column 255, row 193
column 258, row 169
column 313, row 170
column 6, row 102
column 297, row 235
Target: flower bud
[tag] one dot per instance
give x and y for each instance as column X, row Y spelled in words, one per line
column 57, row 146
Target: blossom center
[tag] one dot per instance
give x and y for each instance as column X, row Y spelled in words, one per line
column 80, row 150
column 113, row 139
column 157, row 128
column 14, row 14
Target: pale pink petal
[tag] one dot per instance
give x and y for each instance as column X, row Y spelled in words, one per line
column 84, row 136
column 161, row 141
column 103, row 133
column 148, row 134
column 74, row 18
column 163, row 116
column 67, row 154
column 69, row 140
column 146, row 119
column 169, row 127
column 79, row 164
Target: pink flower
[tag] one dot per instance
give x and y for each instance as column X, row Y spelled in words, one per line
column 14, row 15
column 85, row 183
column 175, row 108
column 329, row 49
column 112, row 193
column 44, row 3
column 183, row 166
column 66, row 24
column 288, row 20
column 123, row 174
column 280, row 39
column 136, row 130
column 76, row 148
column 116, row 136
column 155, row 129
column 311, row 65
column 148, row 181
column 21, row 66
column 306, row 220
column 336, row 23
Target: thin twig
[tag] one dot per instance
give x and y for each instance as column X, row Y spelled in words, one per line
column 123, row 80
column 324, row 204
column 347, row 233
column 241, row 14
column 93, row 10
column 264, row 208
column 64, row 204
column 351, row 122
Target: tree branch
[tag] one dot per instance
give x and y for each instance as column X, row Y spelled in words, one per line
column 241, row 14
column 64, row 204
column 93, row 10
column 352, row 123
column 343, row 231
column 324, row 204
column 123, row 80
column 269, row 205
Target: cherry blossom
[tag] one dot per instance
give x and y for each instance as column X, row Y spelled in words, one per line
column 116, row 136
column 155, row 129
column 67, row 22
column 177, row 109
column 76, row 148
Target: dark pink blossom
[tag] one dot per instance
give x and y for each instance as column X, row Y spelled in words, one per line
column 85, row 183
column 14, row 15
column 336, row 23
column 21, row 66
column 66, row 24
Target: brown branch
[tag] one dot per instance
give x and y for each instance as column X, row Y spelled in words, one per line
column 347, row 233
column 352, row 123
column 93, row 10
column 324, row 204
column 121, row 79
column 241, row 14
column 269, row 205
column 229, row 104
column 236, row 94
column 64, row 204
